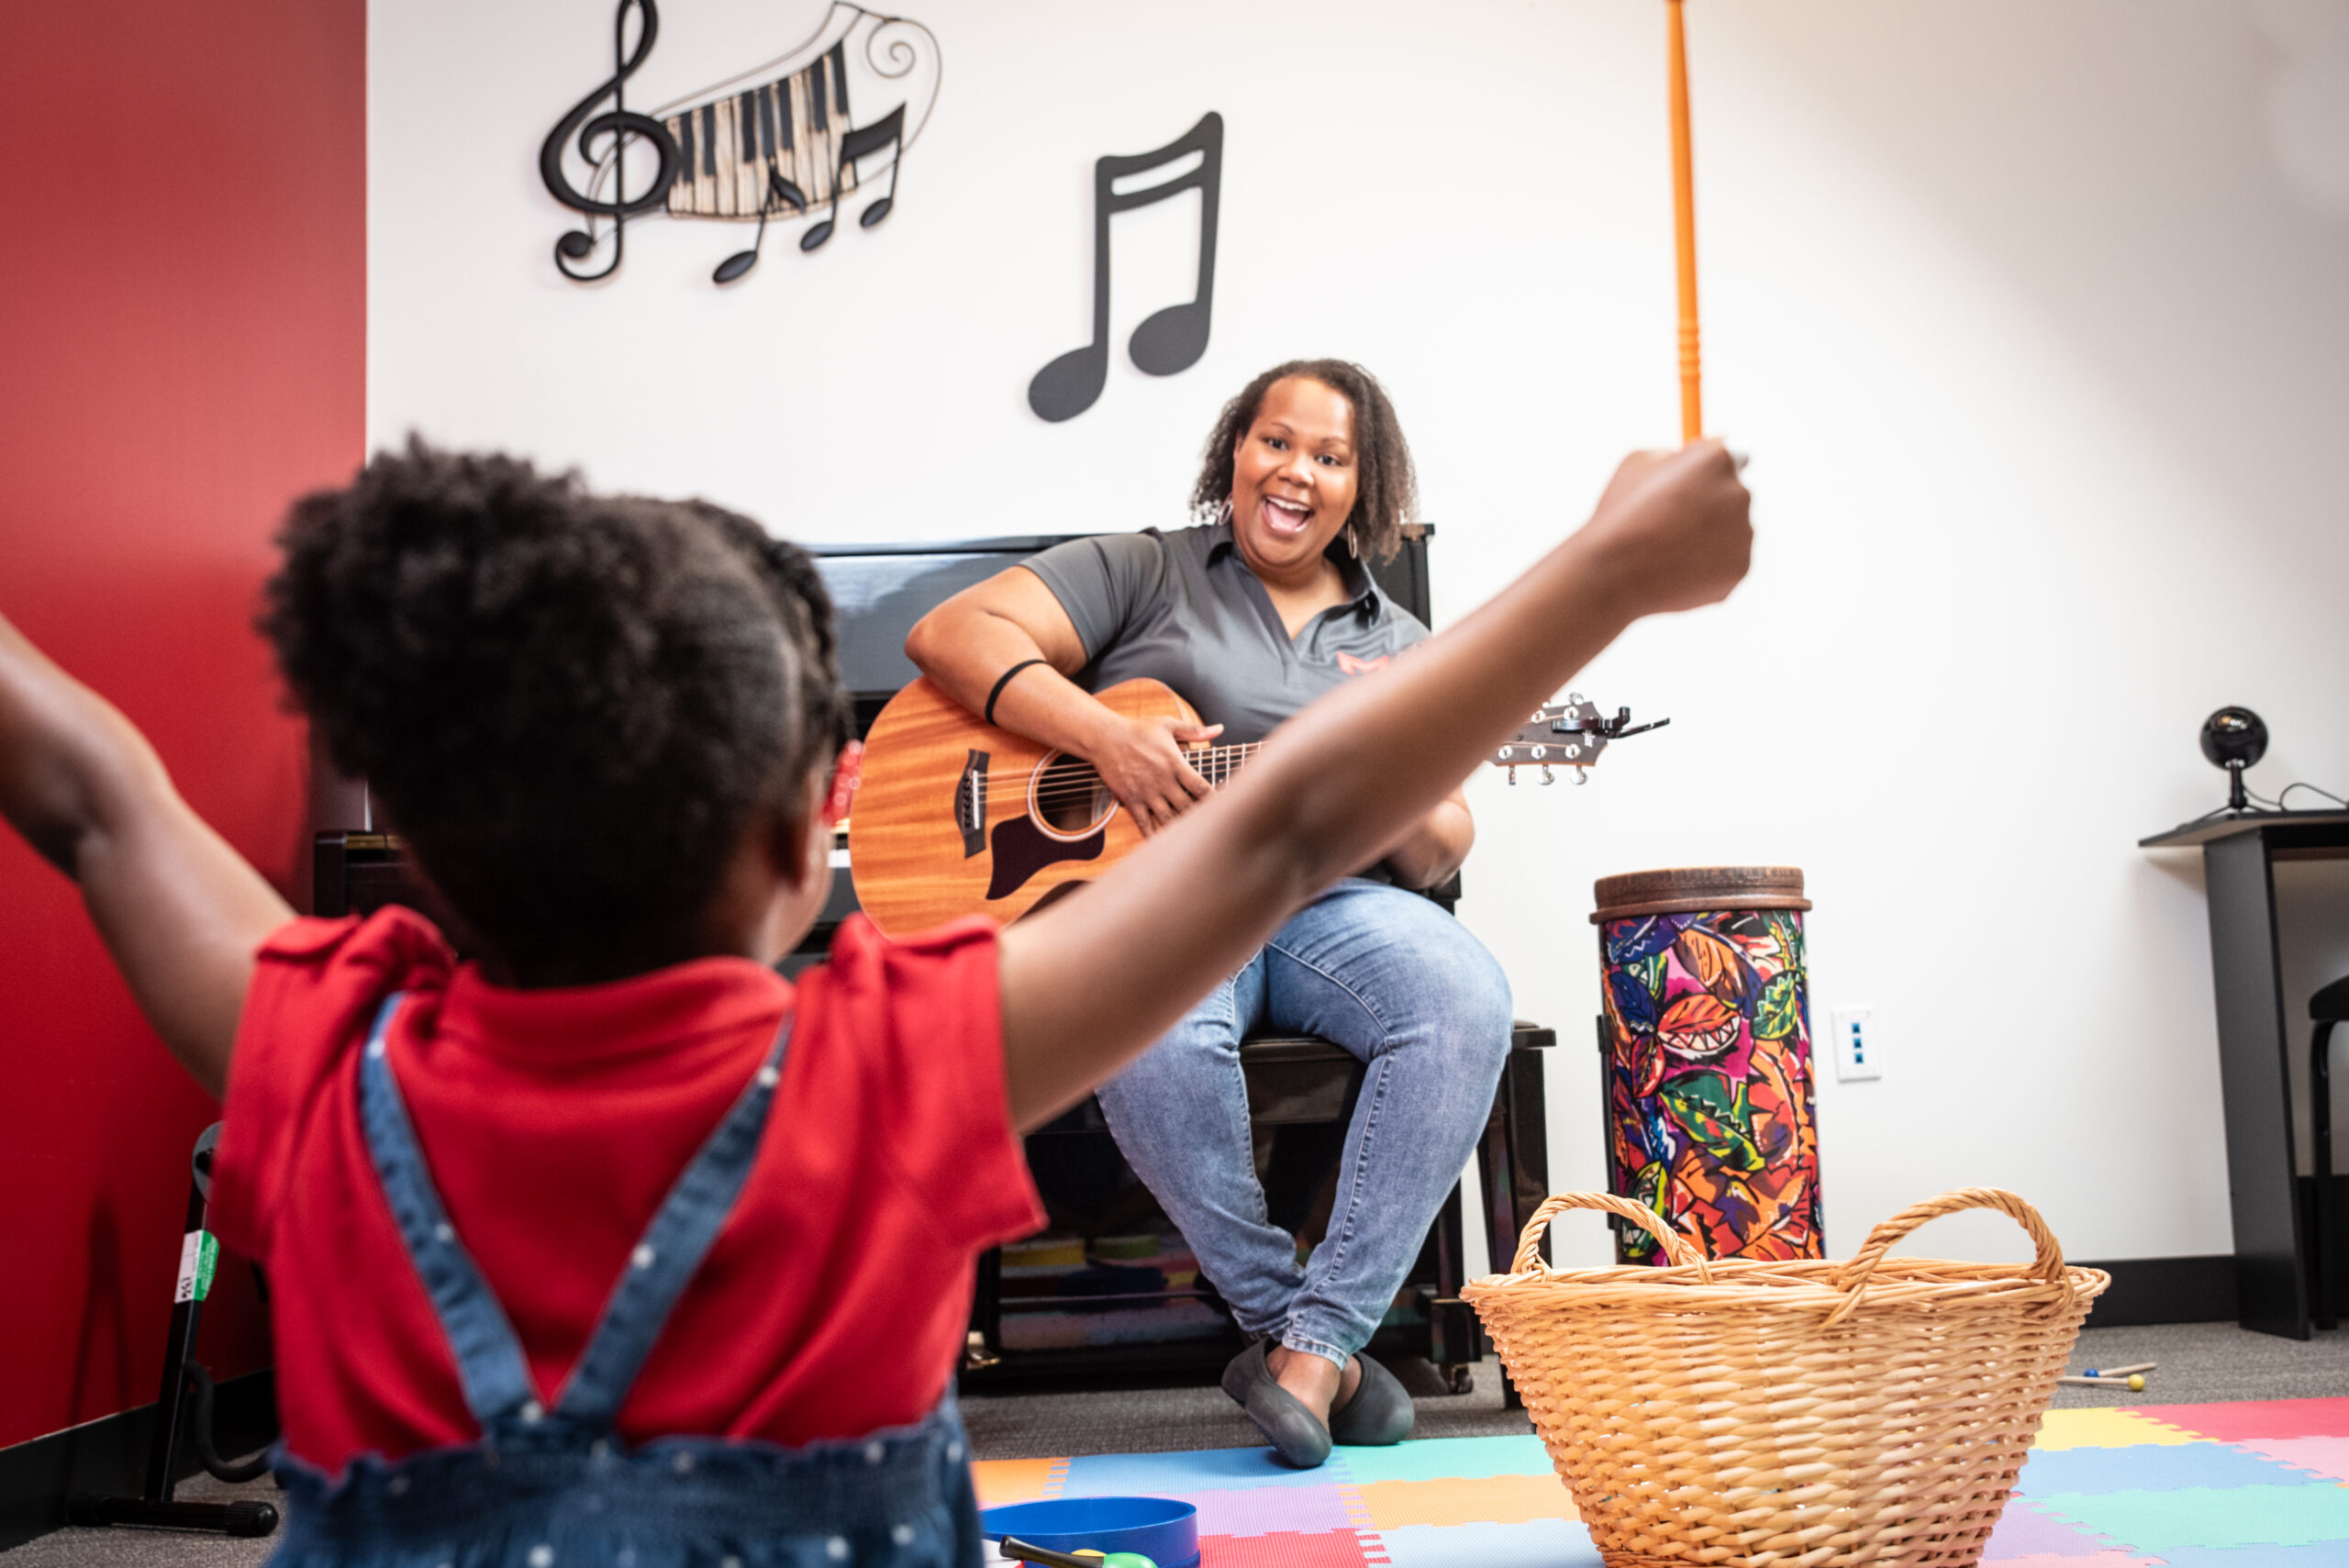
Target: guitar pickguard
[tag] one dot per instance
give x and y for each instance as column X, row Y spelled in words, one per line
column 1021, row 849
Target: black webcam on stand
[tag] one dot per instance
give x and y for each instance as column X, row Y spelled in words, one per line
column 2233, row 739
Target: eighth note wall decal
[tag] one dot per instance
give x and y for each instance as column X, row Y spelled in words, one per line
column 1172, row 340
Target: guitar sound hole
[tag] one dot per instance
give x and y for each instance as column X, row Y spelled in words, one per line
column 1069, row 796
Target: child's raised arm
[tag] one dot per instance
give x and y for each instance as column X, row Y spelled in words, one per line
column 1090, row 981
column 180, row 910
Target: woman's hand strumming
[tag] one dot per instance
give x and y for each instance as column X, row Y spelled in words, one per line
column 1142, row 761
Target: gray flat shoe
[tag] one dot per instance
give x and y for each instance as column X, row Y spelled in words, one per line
column 1380, row 1412
column 1293, row 1430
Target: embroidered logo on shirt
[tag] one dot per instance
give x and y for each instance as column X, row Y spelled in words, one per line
column 1350, row 665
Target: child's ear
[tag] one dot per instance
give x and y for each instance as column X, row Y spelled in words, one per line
column 848, row 771
column 798, row 846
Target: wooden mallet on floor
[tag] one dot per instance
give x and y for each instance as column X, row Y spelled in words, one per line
column 2131, row 1377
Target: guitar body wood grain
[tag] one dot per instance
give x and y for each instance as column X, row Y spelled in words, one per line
column 955, row 817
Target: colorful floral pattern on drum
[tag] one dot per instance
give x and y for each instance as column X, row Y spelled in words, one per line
column 1709, row 1086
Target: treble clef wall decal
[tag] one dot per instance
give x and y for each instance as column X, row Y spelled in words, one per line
column 774, row 143
column 620, row 123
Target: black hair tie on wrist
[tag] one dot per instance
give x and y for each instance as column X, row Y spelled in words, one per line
column 1003, row 680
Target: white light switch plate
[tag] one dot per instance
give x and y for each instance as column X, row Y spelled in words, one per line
column 1859, row 1045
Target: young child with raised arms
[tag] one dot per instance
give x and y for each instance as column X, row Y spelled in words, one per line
column 608, row 1244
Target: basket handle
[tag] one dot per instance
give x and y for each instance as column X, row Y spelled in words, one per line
column 1852, row 1277
column 1676, row 1246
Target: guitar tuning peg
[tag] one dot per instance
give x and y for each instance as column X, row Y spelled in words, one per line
column 1582, row 777
column 1512, row 775
column 1547, row 776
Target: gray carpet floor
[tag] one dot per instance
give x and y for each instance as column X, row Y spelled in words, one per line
column 2211, row 1362
column 2201, row 1363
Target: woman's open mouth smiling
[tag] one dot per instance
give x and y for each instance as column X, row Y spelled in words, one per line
column 1282, row 519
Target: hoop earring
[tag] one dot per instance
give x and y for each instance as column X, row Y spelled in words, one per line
column 1353, row 551
column 1223, row 517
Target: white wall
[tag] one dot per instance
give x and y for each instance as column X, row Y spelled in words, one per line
column 2035, row 320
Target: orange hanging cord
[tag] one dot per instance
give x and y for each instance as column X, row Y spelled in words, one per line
column 1684, row 225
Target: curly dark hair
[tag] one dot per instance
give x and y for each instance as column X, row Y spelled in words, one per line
column 570, row 705
column 806, row 606
column 1387, row 493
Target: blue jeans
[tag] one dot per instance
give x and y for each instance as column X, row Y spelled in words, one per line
column 1390, row 977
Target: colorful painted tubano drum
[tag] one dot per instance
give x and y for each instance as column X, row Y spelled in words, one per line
column 1708, row 1067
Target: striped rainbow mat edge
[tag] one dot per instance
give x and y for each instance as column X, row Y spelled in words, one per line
column 2256, row 1485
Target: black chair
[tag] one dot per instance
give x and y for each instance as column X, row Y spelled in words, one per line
column 1302, row 1090
column 1289, row 1084
column 2326, row 1008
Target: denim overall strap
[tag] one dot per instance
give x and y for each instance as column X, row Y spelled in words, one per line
column 671, row 1250
column 490, row 1364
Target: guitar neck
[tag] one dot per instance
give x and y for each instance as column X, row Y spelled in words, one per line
column 1217, row 763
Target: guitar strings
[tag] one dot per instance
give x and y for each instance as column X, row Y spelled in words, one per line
column 1070, row 778
column 1077, row 789
column 1079, row 778
column 1224, row 758
column 1229, row 758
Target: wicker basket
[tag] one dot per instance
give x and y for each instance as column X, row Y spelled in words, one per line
column 1799, row 1414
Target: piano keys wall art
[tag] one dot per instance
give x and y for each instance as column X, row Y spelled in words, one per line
column 783, row 141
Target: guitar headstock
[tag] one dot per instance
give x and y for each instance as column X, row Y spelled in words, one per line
column 1555, row 736
column 1568, row 734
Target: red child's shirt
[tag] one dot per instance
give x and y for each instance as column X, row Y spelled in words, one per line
column 834, row 1301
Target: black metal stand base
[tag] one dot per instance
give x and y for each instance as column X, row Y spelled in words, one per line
column 242, row 1518
column 184, row 1409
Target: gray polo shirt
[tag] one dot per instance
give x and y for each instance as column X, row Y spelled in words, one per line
column 1183, row 608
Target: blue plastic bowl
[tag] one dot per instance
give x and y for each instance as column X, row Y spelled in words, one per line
column 1165, row 1531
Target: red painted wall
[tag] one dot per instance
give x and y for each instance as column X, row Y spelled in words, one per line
column 182, row 339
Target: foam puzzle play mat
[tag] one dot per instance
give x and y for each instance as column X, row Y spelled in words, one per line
column 2254, row 1484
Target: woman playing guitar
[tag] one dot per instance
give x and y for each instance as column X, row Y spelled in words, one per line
column 1249, row 618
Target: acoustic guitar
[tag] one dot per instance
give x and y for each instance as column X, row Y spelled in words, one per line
column 954, row 817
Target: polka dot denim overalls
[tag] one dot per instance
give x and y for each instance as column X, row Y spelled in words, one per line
column 554, row 1489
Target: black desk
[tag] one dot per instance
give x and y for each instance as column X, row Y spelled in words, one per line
column 2256, row 1030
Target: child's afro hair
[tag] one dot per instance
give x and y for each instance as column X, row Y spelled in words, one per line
column 570, row 705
